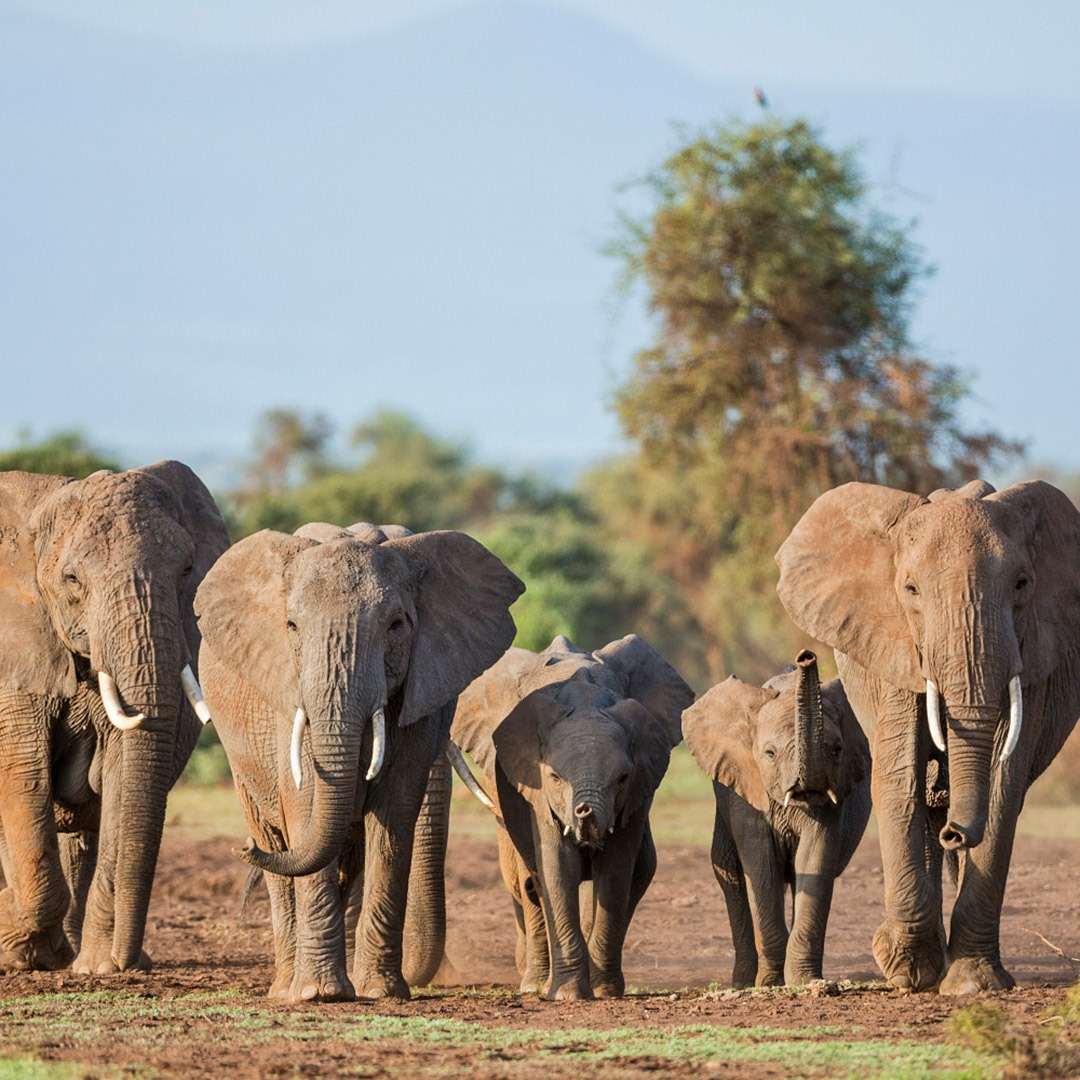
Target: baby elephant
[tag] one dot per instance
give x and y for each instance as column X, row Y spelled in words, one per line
column 791, row 774
column 575, row 743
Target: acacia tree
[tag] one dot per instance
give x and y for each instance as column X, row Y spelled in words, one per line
column 782, row 366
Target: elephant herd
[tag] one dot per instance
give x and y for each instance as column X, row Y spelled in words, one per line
column 345, row 670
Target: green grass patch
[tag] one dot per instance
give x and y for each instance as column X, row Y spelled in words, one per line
column 154, row 1024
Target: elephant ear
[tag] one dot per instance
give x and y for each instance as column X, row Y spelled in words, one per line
column 856, row 746
column 486, row 702
column 837, row 579
column 651, row 680
column 719, row 729
column 203, row 523
column 32, row 656
column 241, row 611
column 323, row 531
column 517, row 738
column 463, row 624
column 651, row 752
column 1052, row 523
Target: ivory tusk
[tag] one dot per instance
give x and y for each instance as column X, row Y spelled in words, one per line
column 1016, row 717
column 832, row 795
column 193, row 692
column 110, row 698
column 787, row 799
column 933, row 715
column 295, row 744
column 461, row 767
column 566, row 830
column 378, row 743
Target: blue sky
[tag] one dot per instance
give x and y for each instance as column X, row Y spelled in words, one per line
column 208, row 210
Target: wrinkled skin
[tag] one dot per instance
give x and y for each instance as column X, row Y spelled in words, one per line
column 744, row 737
column 968, row 589
column 343, row 623
column 574, row 745
column 95, row 575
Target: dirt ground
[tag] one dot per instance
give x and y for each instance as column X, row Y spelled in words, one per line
column 678, row 945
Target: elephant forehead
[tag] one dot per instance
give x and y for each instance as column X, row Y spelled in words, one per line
column 962, row 530
column 347, row 570
column 584, row 692
column 584, row 732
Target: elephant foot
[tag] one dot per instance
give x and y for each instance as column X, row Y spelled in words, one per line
column 573, row 990
column 609, row 988
column 375, row 986
column 279, row 988
column 799, row 976
column 909, row 963
column 321, row 986
column 533, row 982
column 769, row 976
column 91, row 961
column 45, row 949
column 973, row 975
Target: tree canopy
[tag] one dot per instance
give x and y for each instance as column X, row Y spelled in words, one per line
column 64, row 453
column 782, row 366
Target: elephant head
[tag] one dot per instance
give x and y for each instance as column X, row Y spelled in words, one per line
column 336, row 630
column 97, row 580
column 591, row 747
column 965, row 597
column 792, row 742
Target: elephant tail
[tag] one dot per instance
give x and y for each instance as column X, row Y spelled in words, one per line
column 255, row 875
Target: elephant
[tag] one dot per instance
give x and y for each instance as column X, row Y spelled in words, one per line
column 99, row 702
column 955, row 622
column 574, row 745
column 331, row 661
column 791, row 775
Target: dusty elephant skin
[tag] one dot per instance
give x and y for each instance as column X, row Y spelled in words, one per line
column 97, row 580
column 954, row 618
column 574, row 744
column 331, row 661
column 791, row 774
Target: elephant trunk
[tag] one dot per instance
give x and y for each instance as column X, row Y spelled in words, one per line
column 425, row 911
column 971, row 758
column 972, row 684
column 335, row 748
column 146, row 669
column 809, row 724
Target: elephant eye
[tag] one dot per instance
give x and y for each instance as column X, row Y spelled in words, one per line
column 397, row 624
column 622, row 779
column 556, row 777
column 770, row 752
column 70, row 577
column 186, row 572
column 1021, row 583
column 290, row 625
column 911, row 588
column 837, row 751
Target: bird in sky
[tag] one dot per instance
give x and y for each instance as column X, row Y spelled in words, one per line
column 760, row 98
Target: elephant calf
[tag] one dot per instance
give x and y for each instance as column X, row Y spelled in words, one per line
column 791, row 773
column 574, row 744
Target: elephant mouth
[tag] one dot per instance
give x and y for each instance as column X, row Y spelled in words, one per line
column 586, row 831
column 808, row 799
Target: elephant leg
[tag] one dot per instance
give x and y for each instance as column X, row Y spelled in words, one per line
column 319, row 970
column 537, row 958
column 558, row 870
column 352, row 889
column 766, row 890
column 907, row 945
column 729, row 873
column 283, row 922
column 391, row 809
column 33, row 905
column 616, row 877
column 974, row 942
column 78, row 856
column 816, row 859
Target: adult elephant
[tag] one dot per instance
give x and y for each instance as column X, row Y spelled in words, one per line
column 326, row 654
column 964, row 606
column 97, row 580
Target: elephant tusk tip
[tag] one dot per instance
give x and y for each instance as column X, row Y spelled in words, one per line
column 832, row 796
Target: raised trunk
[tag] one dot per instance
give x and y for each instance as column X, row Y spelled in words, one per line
column 425, row 912
column 809, row 724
